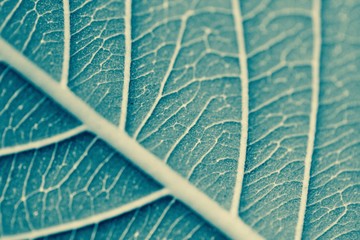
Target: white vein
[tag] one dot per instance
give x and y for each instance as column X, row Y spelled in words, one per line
column 29, row 113
column 13, row 96
column 9, row 16
column 244, row 78
column 4, row 190
column 43, row 142
column 92, row 219
column 180, row 188
column 23, row 199
column 127, row 65
column 66, row 56
column 337, row 220
column 316, row 19
column 159, row 220
column 177, row 49
column 128, row 226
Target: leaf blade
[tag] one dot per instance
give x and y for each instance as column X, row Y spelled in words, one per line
column 179, row 187
column 333, row 200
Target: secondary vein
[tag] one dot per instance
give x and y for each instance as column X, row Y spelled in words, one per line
column 66, row 56
column 73, row 225
column 127, row 65
column 244, row 78
column 316, row 15
column 43, row 142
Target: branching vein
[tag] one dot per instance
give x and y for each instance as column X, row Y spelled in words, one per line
column 92, row 219
column 168, row 72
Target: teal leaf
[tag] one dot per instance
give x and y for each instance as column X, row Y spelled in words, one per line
column 255, row 103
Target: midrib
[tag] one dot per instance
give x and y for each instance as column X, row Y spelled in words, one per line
column 179, row 187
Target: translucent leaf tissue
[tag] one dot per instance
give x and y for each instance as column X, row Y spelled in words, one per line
column 180, row 119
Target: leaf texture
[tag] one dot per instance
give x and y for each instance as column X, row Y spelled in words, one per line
column 61, row 165
column 254, row 102
column 333, row 202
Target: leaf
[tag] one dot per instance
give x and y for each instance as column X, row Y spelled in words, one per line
column 255, row 102
column 61, row 164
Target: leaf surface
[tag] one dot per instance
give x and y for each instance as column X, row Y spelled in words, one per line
column 254, row 102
